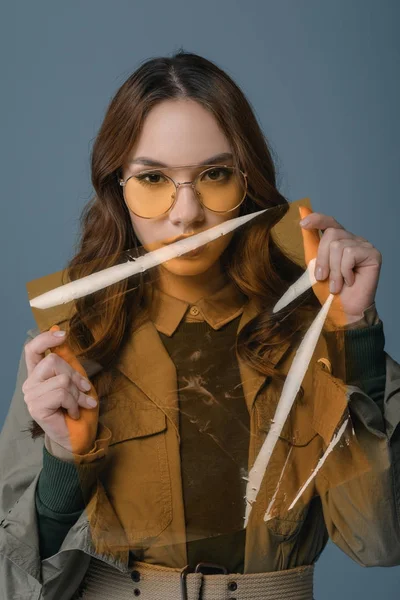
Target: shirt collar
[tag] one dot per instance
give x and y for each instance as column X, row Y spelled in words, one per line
column 219, row 308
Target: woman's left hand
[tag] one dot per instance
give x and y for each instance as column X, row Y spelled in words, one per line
column 351, row 262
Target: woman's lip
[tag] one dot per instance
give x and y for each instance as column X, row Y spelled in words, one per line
column 194, row 252
column 190, row 253
column 177, row 239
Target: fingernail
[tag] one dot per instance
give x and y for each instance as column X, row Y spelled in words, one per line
column 318, row 274
column 305, row 221
column 91, row 401
column 332, row 287
column 85, row 384
column 59, row 333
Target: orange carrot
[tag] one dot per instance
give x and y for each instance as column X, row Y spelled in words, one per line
column 82, row 431
column 321, row 288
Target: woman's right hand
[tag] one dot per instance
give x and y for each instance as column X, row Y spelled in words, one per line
column 51, row 386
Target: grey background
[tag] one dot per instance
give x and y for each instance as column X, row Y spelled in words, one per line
column 323, row 78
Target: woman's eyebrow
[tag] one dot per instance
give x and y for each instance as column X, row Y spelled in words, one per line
column 149, row 162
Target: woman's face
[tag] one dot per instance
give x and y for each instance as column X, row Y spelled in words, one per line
column 178, row 133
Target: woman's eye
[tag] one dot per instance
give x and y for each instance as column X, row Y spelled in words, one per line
column 151, row 178
column 217, row 174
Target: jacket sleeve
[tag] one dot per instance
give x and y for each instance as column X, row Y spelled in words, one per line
column 64, row 487
column 362, row 514
column 21, row 470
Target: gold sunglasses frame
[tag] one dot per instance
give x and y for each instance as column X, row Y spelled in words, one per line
column 178, row 184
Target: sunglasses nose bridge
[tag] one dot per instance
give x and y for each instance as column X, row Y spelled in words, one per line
column 179, row 184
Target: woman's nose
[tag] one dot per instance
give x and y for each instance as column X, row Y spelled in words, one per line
column 187, row 208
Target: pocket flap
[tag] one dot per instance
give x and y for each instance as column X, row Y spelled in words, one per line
column 330, row 402
column 297, row 429
column 128, row 420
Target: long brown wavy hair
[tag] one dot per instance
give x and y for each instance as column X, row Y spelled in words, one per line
column 103, row 320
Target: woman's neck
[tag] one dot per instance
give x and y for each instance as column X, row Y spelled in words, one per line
column 191, row 288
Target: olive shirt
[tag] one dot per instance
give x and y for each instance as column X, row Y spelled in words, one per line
column 214, row 430
column 59, row 500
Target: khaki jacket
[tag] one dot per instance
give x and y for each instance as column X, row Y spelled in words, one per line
column 355, row 499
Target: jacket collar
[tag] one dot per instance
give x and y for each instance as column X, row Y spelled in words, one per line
column 145, row 361
column 166, row 312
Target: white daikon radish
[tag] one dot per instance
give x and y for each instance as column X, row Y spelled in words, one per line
column 268, row 515
column 291, row 386
column 101, row 279
column 332, row 444
column 303, row 283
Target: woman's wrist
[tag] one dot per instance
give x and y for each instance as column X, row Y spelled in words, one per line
column 369, row 318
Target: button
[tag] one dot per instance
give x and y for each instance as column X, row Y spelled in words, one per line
column 135, row 576
column 327, row 363
column 136, row 592
column 194, row 311
column 232, row 586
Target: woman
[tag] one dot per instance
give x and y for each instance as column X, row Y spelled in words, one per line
column 162, row 493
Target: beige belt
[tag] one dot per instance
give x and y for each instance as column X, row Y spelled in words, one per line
column 150, row 582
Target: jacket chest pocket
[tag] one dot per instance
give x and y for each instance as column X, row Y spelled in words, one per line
column 293, row 458
column 136, row 476
column 287, row 527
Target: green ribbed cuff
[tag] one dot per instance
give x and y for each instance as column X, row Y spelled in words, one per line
column 364, row 357
column 63, row 486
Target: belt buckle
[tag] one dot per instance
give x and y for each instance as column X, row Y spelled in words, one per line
column 218, row 569
column 221, row 570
